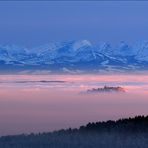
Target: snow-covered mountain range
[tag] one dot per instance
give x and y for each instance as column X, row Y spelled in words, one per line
column 75, row 57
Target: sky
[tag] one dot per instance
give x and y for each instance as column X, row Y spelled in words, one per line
column 32, row 23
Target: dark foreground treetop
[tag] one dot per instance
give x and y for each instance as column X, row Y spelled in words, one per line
column 123, row 133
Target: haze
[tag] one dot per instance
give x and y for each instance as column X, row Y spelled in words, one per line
column 38, row 106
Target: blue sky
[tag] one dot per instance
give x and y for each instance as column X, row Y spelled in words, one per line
column 35, row 23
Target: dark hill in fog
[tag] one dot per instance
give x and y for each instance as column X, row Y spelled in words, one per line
column 106, row 89
column 123, row 133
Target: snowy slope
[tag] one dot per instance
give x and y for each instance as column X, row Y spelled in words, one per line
column 76, row 55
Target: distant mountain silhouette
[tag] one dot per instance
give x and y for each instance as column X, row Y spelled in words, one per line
column 123, row 133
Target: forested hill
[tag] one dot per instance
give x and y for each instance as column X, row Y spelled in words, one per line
column 123, row 133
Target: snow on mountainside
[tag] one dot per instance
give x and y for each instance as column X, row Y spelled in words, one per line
column 122, row 49
column 75, row 55
column 142, row 51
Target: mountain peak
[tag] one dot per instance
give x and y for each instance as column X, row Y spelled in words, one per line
column 81, row 43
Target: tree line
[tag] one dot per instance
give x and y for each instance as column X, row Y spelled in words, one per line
column 123, row 133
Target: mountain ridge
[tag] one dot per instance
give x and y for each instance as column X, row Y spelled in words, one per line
column 79, row 55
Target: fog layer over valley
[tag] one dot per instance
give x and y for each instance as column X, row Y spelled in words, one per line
column 38, row 103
